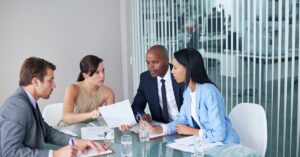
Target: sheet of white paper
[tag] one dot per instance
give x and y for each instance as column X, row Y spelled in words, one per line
column 95, row 133
column 186, row 144
column 118, row 114
column 69, row 132
column 135, row 128
column 181, row 147
column 92, row 152
column 186, row 140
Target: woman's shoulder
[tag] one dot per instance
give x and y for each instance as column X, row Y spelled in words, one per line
column 74, row 88
column 208, row 87
column 107, row 90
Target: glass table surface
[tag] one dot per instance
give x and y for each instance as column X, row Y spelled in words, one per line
column 157, row 147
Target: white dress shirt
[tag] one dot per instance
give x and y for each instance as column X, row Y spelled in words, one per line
column 172, row 106
column 193, row 107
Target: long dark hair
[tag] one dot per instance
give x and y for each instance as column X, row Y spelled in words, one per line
column 89, row 65
column 192, row 60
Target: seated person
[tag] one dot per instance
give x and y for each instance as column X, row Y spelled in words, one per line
column 23, row 131
column 83, row 98
column 203, row 110
column 163, row 107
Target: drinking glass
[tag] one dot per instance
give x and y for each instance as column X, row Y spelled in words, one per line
column 110, row 137
column 126, row 144
column 143, row 132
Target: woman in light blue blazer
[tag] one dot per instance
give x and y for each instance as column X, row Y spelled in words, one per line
column 203, row 109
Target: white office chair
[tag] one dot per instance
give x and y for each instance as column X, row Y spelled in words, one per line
column 52, row 114
column 250, row 122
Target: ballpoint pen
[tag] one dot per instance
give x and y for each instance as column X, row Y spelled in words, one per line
column 72, row 141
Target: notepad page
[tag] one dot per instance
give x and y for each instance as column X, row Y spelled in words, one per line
column 93, row 152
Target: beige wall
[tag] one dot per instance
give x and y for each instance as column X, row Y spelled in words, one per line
column 61, row 31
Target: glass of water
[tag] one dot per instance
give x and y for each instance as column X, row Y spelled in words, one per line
column 126, row 144
column 143, row 132
column 109, row 135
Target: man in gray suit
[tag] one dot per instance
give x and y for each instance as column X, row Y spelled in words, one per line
column 23, row 131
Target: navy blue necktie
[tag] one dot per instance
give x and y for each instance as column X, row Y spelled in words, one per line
column 165, row 112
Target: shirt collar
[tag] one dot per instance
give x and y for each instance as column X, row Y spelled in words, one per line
column 166, row 77
column 31, row 98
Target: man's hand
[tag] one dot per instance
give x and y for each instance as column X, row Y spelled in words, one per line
column 153, row 129
column 146, row 117
column 67, row 151
column 186, row 130
column 85, row 145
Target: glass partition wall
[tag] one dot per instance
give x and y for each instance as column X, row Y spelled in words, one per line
column 251, row 51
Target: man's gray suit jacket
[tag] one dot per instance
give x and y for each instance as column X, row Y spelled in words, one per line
column 23, row 131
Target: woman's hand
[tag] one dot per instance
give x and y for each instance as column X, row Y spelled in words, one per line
column 125, row 127
column 186, row 130
column 94, row 114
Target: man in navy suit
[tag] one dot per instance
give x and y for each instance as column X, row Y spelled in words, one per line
column 164, row 100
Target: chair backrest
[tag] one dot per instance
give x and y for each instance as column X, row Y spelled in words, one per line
column 52, row 114
column 250, row 122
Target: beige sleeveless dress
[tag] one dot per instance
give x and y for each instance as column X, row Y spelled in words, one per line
column 86, row 103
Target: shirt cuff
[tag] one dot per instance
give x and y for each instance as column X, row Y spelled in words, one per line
column 164, row 128
column 50, row 153
column 200, row 133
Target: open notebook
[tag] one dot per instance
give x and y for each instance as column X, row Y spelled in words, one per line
column 135, row 129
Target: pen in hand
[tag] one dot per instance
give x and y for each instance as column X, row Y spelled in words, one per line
column 72, row 141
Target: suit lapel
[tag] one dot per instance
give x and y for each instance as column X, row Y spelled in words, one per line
column 155, row 89
column 35, row 111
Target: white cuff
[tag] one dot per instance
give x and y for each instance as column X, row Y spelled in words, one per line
column 50, row 153
column 200, row 133
column 164, row 128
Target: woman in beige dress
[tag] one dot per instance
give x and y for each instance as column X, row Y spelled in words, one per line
column 83, row 98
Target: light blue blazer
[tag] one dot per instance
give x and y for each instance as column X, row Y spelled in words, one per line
column 211, row 114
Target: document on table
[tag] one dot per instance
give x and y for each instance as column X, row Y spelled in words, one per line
column 186, row 144
column 95, row 133
column 92, row 152
column 135, row 129
column 117, row 114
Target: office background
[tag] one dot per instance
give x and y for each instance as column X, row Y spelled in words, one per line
column 250, row 48
column 61, row 32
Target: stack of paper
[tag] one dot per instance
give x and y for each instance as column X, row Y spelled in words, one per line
column 135, row 129
column 186, row 144
column 95, row 133
column 117, row 114
column 92, row 152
